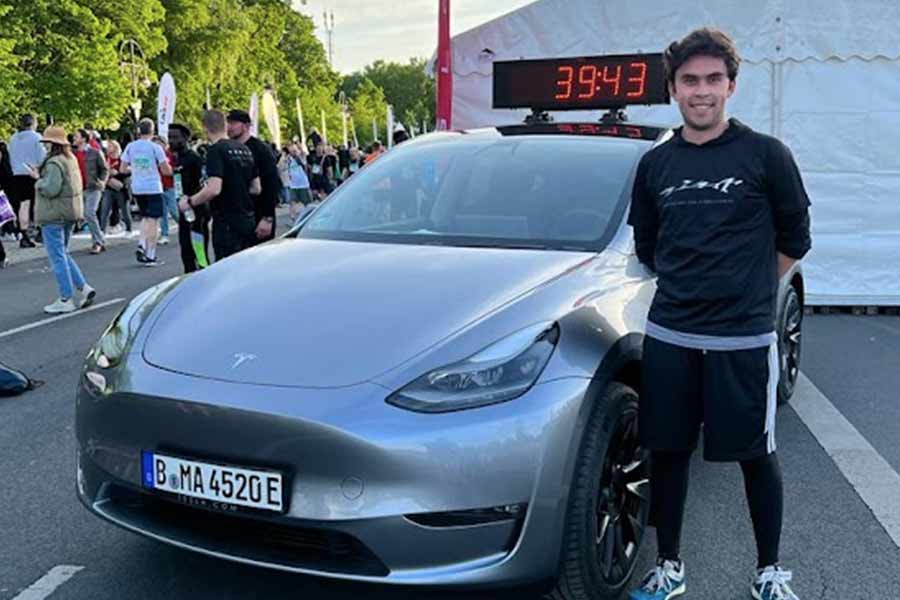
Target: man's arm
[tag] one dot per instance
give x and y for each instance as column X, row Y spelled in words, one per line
column 165, row 168
column 40, row 152
column 102, row 168
column 643, row 218
column 269, row 181
column 790, row 207
column 208, row 193
column 256, row 188
column 784, row 264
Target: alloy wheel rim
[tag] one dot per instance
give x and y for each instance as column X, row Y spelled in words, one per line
column 623, row 502
column 792, row 338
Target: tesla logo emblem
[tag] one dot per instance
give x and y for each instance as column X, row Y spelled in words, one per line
column 242, row 357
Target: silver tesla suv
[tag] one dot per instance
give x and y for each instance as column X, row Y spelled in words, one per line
column 433, row 379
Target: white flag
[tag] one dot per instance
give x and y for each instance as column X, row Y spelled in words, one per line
column 254, row 115
column 270, row 114
column 165, row 112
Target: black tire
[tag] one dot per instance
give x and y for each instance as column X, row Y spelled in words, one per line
column 598, row 561
column 790, row 344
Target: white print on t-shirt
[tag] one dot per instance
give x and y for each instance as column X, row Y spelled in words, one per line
column 689, row 184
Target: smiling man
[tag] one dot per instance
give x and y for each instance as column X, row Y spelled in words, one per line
column 719, row 213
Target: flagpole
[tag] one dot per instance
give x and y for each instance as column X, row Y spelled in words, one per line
column 353, row 131
column 300, row 120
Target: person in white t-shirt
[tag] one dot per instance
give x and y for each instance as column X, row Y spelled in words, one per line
column 146, row 162
column 299, row 180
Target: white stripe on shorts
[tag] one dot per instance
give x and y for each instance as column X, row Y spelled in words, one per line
column 772, row 396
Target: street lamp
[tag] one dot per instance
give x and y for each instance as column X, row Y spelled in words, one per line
column 329, row 30
column 132, row 60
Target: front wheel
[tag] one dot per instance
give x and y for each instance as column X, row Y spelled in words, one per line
column 609, row 502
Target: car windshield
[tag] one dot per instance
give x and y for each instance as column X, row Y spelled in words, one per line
column 560, row 192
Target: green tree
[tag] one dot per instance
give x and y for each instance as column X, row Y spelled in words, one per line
column 62, row 57
column 368, row 103
column 407, row 87
column 67, row 57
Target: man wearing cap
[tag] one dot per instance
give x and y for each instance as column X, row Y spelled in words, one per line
column 264, row 204
column 232, row 181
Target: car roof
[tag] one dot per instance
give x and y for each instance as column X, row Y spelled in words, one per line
column 610, row 130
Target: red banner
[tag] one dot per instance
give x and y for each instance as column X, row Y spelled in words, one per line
column 444, row 109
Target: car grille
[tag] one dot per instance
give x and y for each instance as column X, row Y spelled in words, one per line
column 255, row 539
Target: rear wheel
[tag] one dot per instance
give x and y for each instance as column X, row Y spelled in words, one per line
column 790, row 338
column 609, row 502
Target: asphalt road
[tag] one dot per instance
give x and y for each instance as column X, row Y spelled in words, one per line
column 832, row 541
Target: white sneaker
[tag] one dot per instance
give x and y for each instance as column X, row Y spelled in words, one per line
column 85, row 296
column 772, row 584
column 163, row 241
column 60, row 306
column 664, row 582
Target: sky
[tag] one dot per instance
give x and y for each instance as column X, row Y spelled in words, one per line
column 394, row 30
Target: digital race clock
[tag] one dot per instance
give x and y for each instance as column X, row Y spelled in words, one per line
column 593, row 82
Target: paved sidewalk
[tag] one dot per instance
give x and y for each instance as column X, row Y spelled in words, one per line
column 81, row 242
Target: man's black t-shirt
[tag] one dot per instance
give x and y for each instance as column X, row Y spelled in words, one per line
column 318, row 171
column 264, row 204
column 190, row 166
column 709, row 219
column 233, row 162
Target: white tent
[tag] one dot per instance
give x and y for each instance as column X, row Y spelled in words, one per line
column 822, row 76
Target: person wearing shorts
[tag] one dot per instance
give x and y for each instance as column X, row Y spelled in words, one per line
column 25, row 152
column 147, row 163
column 720, row 213
column 298, row 182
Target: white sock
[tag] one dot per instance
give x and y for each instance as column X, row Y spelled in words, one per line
column 151, row 253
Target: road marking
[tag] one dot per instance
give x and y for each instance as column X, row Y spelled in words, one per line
column 870, row 475
column 60, row 317
column 47, row 584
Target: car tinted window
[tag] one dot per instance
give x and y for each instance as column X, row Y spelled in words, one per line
column 560, row 192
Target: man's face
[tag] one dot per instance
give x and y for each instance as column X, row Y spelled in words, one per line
column 236, row 129
column 78, row 139
column 320, row 149
column 701, row 89
column 354, row 154
column 176, row 140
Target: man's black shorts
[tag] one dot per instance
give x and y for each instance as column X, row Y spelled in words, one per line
column 728, row 391
column 21, row 190
column 150, row 205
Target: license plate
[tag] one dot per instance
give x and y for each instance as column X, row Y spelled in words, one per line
column 252, row 488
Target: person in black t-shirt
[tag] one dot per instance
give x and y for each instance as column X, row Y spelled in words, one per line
column 193, row 238
column 720, row 213
column 232, row 179
column 321, row 171
column 354, row 163
column 264, row 203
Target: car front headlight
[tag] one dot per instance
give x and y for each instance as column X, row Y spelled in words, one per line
column 113, row 344
column 503, row 371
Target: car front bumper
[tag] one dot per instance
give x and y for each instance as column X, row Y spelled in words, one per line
column 375, row 493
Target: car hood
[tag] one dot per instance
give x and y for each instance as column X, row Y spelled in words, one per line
column 323, row 313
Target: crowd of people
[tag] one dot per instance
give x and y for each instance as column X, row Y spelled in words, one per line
column 221, row 187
